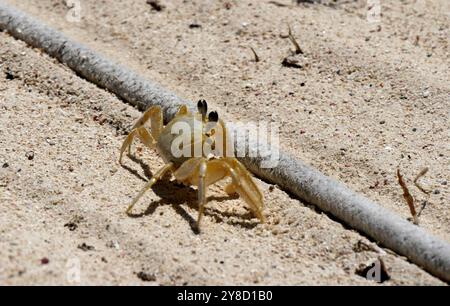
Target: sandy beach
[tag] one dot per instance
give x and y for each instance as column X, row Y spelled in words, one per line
column 364, row 99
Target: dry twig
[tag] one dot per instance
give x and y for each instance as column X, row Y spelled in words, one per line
column 256, row 55
column 421, row 173
column 298, row 50
column 408, row 197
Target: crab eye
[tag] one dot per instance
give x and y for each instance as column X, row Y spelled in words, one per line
column 213, row 116
column 202, row 107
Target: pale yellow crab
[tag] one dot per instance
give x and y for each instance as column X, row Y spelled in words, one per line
column 201, row 170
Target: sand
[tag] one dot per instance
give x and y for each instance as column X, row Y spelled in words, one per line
column 370, row 97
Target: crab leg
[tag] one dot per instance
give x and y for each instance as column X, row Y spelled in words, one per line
column 243, row 184
column 142, row 134
column 158, row 175
column 200, row 172
column 201, row 190
column 155, row 115
column 230, row 189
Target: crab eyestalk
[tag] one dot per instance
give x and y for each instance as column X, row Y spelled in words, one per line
column 202, row 107
column 213, row 116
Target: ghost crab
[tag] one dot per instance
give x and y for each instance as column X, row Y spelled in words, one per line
column 201, row 170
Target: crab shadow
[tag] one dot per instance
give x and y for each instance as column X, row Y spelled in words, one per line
column 175, row 194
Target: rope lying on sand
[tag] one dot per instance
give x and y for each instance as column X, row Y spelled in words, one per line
column 290, row 174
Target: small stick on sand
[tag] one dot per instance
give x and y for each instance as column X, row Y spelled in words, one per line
column 419, row 186
column 421, row 173
column 298, row 50
column 279, row 4
column 408, row 197
column 256, row 55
